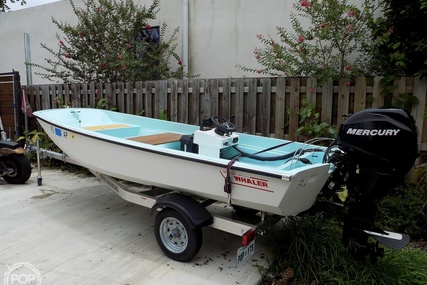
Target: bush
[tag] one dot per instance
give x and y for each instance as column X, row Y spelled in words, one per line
column 330, row 40
column 403, row 211
column 308, row 250
column 113, row 41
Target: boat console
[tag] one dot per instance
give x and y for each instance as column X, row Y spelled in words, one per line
column 214, row 135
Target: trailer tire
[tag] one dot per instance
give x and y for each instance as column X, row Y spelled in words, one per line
column 175, row 237
column 21, row 168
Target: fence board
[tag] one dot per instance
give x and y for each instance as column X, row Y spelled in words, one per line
column 251, row 107
column 360, row 94
column 376, row 93
column 174, row 103
column 129, row 98
column 265, row 106
column 280, row 108
column 310, row 92
column 139, row 107
column 239, row 104
column 225, row 100
column 327, row 99
column 294, row 102
column 343, row 100
column 148, row 100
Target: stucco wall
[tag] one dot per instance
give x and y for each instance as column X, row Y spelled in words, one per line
column 221, row 32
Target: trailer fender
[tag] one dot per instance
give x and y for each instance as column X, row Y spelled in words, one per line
column 193, row 212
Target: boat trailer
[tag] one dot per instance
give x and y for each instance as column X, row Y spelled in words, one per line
column 180, row 238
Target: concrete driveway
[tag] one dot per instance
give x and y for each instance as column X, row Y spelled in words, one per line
column 74, row 230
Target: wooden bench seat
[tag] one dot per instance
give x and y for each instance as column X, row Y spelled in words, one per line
column 157, row 138
column 106, row 127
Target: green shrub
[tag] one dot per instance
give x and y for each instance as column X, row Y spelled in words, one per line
column 310, row 247
column 403, row 211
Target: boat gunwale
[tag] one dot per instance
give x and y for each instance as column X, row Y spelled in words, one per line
column 157, row 150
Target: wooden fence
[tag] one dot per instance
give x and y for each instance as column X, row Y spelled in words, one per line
column 264, row 106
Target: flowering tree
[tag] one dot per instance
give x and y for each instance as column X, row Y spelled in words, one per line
column 113, row 41
column 4, row 7
column 330, row 40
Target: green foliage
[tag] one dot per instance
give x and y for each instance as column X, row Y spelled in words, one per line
column 4, row 7
column 107, row 44
column 163, row 115
column 403, row 210
column 400, row 38
column 401, row 100
column 310, row 125
column 311, row 246
column 334, row 45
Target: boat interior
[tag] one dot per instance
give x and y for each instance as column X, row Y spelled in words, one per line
column 284, row 155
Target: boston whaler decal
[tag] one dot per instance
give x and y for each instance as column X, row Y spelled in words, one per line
column 374, row 132
column 248, row 181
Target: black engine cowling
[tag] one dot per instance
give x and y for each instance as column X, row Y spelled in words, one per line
column 373, row 152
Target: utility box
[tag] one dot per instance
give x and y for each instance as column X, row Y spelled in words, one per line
column 10, row 104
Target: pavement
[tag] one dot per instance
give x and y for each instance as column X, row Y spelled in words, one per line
column 73, row 229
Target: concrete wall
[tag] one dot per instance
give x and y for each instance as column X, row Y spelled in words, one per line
column 221, row 32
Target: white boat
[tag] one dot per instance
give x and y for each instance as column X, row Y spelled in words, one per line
column 284, row 178
column 374, row 150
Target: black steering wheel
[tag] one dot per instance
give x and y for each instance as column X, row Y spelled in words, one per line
column 222, row 126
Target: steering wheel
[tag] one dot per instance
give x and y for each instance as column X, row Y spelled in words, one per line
column 222, row 126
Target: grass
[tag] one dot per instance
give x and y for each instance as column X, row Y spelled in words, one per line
column 310, row 247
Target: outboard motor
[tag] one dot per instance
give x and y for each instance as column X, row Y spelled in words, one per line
column 373, row 152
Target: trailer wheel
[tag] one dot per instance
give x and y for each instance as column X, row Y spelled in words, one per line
column 21, row 168
column 175, row 237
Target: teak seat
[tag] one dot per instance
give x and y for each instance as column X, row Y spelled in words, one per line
column 158, row 138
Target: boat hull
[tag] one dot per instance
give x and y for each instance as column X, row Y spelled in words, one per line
column 271, row 190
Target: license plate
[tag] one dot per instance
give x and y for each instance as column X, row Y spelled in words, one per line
column 244, row 253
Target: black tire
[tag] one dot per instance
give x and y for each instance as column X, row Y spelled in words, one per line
column 174, row 236
column 21, row 168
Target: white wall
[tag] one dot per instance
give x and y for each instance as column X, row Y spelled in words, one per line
column 221, row 32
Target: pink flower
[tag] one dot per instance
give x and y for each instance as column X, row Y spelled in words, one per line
column 259, row 71
column 124, row 67
column 305, row 3
column 260, row 36
column 81, row 34
column 347, row 67
column 61, row 43
column 300, row 38
column 179, row 61
column 347, row 83
column 312, row 90
column 257, row 57
column 351, row 13
column 349, row 28
column 322, row 25
column 147, row 26
column 128, row 46
column 67, row 55
column 101, row 65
